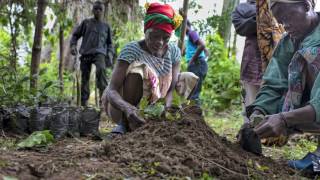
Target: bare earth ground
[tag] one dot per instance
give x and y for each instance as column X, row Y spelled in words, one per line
column 182, row 149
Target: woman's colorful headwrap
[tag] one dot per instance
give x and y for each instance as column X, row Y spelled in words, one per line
column 161, row 16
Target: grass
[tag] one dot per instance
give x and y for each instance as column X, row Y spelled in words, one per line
column 228, row 123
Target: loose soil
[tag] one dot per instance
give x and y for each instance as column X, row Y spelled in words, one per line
column 185, row 148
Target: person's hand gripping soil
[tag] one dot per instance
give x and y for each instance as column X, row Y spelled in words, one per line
column 134, row 120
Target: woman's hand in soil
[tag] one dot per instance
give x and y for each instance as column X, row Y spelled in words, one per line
column 135, row 121
column 271, row 126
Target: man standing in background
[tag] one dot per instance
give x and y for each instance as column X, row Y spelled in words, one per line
column 96, row 48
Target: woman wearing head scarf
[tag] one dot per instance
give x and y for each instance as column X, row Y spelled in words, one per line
column 146, row 68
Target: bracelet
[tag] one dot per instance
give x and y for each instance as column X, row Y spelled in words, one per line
column 283, row 119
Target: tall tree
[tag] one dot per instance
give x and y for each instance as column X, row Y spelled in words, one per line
column 14, row 32
column 61, row 62
column 233, row 47
column 37, row 44
column 61, row 45
column 224, row 28
column 184, row 24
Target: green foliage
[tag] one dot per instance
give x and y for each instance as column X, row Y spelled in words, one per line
column 50, row 77
column 5, row 43
column 157, row 110
column 227, row 123
column 151, row 110
column 177, row 100
column 221, row 88
column 63, row 21
column 206, row 176
column 20, row 17
column 9, row 178
column 125, row 34
column 16, row 17
column 13, row 87
column 154, row 110
column 209, row 25
column 37, row 138
column 14, row 83
column 296, row 150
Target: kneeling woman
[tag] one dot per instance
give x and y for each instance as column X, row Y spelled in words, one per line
column 147, row 68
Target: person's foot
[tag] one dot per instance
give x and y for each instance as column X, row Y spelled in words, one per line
column 116, row 132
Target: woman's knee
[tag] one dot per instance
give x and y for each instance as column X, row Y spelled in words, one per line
column 133, row 89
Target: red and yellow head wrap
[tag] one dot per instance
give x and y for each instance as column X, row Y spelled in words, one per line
column 161, row 16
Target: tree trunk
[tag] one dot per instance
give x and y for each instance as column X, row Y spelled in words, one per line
column 224, row 28
column 13, row 24
column 184, row 24
column 234, row 42
column 36, row 48
column 61, row 62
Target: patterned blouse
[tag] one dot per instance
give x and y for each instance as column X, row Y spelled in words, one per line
column 133, row 52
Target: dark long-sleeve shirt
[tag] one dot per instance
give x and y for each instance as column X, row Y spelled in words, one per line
column 96, row 37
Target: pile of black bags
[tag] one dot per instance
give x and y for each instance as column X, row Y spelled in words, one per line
column 61, row 120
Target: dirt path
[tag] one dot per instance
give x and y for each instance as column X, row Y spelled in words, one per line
column 160, row 149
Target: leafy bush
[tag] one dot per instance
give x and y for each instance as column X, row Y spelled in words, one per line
column 222, row 84
column 14, row 86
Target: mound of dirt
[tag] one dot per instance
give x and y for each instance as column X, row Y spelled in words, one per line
column 158, row 150
column 188, row 147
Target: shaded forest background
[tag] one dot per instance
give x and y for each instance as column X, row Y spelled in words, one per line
column 37, row 67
